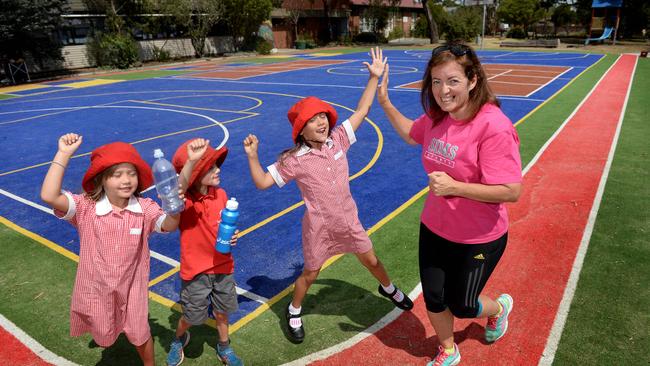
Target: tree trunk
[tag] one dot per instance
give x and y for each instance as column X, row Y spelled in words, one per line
column 433, row 27
column 326, row 10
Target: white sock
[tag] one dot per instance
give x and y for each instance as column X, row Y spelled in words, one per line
column 389, row 289
column 399, row 295
column 294, row 311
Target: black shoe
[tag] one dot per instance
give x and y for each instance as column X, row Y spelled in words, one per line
column 405, row 304
column 296, row 335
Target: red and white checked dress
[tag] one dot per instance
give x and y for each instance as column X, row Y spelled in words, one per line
column 331, row 224
column 110, row 293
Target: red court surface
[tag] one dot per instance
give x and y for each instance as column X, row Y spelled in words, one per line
column 15, row 353
column 547, row 225
column 514, row 80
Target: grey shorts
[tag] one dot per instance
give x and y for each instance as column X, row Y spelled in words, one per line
column 219, row 289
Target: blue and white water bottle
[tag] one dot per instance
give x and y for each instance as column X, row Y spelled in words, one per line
column 166, row 180
column 228, row 225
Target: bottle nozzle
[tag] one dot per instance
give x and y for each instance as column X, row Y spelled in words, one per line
column 232, row 204
column 158, row 154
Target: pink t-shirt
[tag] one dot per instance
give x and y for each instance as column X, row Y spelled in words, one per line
column 486, row 151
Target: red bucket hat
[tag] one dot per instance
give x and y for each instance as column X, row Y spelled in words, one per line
column 108, row 155
column 209, row 158
column 305, row 109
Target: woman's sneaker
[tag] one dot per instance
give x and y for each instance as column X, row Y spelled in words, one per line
column 404, row 304
column 445, row 359
column 498, row 325
column 175, row 355
column 228, row 356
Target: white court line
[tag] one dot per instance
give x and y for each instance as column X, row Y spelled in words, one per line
column 29, row 342
column 549, row 82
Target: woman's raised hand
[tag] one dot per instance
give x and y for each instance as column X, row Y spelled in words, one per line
column 382, row 90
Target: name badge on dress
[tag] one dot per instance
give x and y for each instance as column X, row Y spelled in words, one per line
column 338, row 155
column 135, row 231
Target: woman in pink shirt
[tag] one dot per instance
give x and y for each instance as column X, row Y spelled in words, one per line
column 470, row 152
column 110, row 293
column 318, row 163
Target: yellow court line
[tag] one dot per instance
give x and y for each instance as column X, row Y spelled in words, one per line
column 259, row 101
column 164, row 276
column 196, row 108
column 521, row 120
column 94, row 82
column 16, row 88
column 39, row 239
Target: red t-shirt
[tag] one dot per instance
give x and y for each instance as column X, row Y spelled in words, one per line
column 199, row 225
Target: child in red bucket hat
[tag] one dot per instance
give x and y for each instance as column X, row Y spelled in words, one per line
column 110, row 295
column 319, row 165
column 207, row 275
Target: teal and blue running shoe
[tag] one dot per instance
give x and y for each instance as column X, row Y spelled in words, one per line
column 445, row 359
column 228, row 356
column 498, row 325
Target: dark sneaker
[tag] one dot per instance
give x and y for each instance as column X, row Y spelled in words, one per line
column 296, row 334
column 228, row 356
column 175, row 355
column 405, row 304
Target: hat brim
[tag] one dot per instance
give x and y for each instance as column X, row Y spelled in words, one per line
column 209, row 159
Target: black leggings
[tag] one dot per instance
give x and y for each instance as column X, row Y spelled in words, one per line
column 453, row 274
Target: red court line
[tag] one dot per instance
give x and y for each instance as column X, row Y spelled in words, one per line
column 13, row 352
column 547, row 225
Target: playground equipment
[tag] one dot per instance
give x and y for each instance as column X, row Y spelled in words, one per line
column 601, row 21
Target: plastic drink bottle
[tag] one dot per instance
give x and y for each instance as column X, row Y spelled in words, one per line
column 228, row 225
column 166, row 180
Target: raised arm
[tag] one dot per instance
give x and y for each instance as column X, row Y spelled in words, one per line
column 262, row 179
column 375, row 70
column 51, row 189
column 195, row 151
column 400, row 123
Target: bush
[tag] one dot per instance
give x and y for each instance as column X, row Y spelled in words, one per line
column 421, row 29
column 369, row 37
column 113, row 50
column 396, row 33
column 516, row 32
column 264, row 47
column 160, row 55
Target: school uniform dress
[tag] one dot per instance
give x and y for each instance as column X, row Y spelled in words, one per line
column 110, row 293
column 331, row 224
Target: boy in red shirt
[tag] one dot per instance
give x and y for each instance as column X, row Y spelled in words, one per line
column 207, row 275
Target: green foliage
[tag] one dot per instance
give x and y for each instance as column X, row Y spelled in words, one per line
column 464, row 23
column 562, row 16
column 159, row 54
column 244, row 18
column 421, row 28
column 263, row 47
column 516, row 32
column 396, row 33
column 520, row 12
column 113, row 50
column 26, row 28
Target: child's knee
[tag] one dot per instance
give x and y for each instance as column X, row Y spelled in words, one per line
column 310, row 275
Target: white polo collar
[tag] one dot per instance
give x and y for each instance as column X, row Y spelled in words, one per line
column 304, row 149
column 104, row 207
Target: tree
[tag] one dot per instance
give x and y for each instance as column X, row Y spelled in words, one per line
column 294, row 12
column 204, row 15
column 244, row 18
column 378, row 13
column 563, row 15
column 120, row 14
column 26, row 29
column 434, row 37
column 520, row 12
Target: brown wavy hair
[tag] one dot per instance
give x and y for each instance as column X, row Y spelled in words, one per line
column 466, row 57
